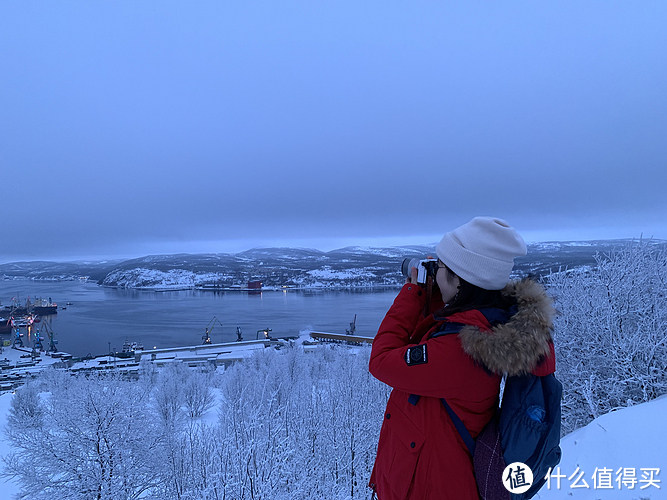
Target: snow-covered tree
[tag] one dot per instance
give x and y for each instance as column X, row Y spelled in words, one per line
column 94, row 439
column 290, row 425
column 198, row 397
column 168, row 397
column 26, row 408
column 611, row 334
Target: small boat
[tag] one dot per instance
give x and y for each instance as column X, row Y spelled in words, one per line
column 129, row 349
column 23, row 322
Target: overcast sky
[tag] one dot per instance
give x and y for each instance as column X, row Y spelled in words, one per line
column 137, row 127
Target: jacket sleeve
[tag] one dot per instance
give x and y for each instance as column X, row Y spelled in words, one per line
column 448, row 371
column 405, row 313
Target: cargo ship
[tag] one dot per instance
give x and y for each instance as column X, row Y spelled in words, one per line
column 43, row 307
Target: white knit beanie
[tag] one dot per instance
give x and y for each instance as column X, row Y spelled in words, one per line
column 482, row 251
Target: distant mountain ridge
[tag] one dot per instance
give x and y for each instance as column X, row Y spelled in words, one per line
column 290, row 267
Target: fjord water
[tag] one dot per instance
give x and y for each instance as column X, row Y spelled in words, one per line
column 99, row 315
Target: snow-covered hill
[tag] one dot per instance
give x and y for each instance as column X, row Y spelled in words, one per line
column 290, row 267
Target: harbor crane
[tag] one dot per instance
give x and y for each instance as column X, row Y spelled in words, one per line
column 353, row 327
column 208, row 329
column 38, row 341
column 52, row 337
column 18, row 341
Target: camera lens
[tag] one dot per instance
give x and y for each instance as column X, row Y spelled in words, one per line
column 408, row 264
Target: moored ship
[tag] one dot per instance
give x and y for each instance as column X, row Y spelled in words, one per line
column 43, row 307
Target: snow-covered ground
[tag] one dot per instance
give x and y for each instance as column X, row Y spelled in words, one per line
column 22, row 356
column 630, row 439
column 633, row 440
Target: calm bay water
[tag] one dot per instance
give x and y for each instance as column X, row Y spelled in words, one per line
column 167, row 319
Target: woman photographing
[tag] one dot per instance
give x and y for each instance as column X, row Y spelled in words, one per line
column 502, row 327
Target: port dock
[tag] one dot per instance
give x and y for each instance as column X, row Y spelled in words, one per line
column 338, row 337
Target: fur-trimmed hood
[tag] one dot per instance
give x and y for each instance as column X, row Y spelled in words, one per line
column 517, row 346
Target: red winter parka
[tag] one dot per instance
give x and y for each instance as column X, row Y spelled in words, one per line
column 420, row 453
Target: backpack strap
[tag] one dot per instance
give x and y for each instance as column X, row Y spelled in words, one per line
column 413, row 399
column 446, row 329
column 463, row 431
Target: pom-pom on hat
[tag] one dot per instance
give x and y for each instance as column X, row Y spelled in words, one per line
column 482, row 251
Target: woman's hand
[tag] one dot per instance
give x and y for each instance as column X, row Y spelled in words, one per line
column 413, row 276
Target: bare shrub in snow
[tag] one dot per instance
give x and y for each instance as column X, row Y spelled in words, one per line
column 611, row 335
column 198, row 397
column 168, row 395
column 26, row 408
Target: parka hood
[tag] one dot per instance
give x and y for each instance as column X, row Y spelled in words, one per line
column 517, row 346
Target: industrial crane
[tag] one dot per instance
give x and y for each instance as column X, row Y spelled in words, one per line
column 353, row 327
column 209, row 328
column 52, row 337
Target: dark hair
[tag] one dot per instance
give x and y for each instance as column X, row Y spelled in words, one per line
column 471, row 296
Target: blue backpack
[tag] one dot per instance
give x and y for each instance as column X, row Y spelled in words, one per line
column 525, row 428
